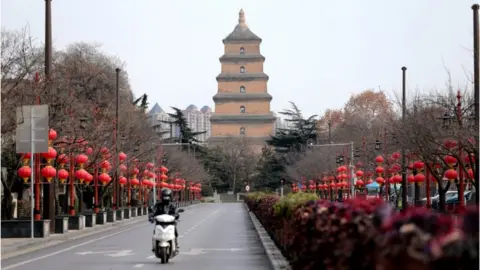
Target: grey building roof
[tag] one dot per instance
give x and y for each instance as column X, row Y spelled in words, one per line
column 191, row 108
column 243, row 118
column 155, row 109
column 205, row 109
column 226, row 97
column 244, row 77
column 241, row 33
column 229, row 58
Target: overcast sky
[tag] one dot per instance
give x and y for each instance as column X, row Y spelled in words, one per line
column 317, row 52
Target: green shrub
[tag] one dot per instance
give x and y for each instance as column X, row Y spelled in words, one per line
column 287, row 204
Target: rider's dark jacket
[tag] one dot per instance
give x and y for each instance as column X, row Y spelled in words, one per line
column 161, row 209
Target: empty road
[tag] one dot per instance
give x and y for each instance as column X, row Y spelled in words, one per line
column 212, row 236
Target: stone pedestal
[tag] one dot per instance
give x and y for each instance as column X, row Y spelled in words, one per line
column 90, row 220
column 111, row 216
column 134, row 212
column 120, row 213
column 61, row 224
column 76, row 222
column 22, row 228
column 127, row 213
column 101, row 218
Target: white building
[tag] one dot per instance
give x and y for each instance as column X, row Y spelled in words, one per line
column 197, row 120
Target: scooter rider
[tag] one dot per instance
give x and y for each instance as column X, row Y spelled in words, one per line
column 165, row 206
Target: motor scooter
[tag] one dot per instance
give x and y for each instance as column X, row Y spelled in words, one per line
column 163, row 239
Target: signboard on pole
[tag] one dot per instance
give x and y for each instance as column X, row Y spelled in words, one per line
column 32, row 128
column 247, row 188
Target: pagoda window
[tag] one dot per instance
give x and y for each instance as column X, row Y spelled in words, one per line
column 242, row 50
column 242, row 109
column 242, row 89
column 242, row 69
column 242, row 131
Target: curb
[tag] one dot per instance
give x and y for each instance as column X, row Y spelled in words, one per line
column 31, row 246
column 276, row 258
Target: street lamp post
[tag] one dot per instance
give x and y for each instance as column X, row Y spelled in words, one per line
column 404, row 152
column 116, row 191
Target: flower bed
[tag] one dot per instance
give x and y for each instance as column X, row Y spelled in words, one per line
column 365, row 234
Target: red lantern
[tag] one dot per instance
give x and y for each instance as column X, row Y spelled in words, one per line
column 104, row 178
column 25, row 172
column 51, row 154
column 89, row 151
column 419, row 165
column 62, row 175
column 49, row 172
column 104, row 150
column 88, row 178
column 80, row 175
column 134, row 182
column 122, row 156
column 470, row 173
column 396, row 167
column 163, row 177
column 396, row 156
column 359, row 173
column 397, row 178
column 450, row 144
column 52, row 134
column 135, row 171
column 26, row 157
column 450, row 160
column 123, row 168
column 342, row 169
column 122, row 180
column 411, row 178
column 369, row 181
column 81, row 159
column 380, row 180
column 105, row 165
column 451, row 174
column 379, row 170
column 379, row 159
column 150, row 165
column 359, row 183
column 62, row 159
column 163, row 170
column 419, row 178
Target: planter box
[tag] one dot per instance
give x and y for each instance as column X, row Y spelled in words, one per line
column 139, row 211
column 90, row 220
column 144, row 210
column 111, row 216
column 76, row 222
column 22, row 228
column 127, row 213
column 134, row 212
column 101, row 218
column 120, row 213
column 61, row 224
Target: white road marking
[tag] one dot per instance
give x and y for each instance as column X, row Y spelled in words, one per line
column 67, row 249
column 138, row 265
column 151, row 257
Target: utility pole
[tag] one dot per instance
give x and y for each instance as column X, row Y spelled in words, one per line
column 404, row 158
column 117, row 146
column 476, row 86
column 49, row 196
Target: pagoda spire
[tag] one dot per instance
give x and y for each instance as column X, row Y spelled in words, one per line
column 241, row 18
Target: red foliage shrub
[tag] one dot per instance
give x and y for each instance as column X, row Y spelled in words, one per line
column 368, row 234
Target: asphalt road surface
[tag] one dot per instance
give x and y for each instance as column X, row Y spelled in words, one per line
column 212, row 236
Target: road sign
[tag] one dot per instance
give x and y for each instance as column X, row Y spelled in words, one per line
column 110, row 253
column 32, row 129
column 247, row 188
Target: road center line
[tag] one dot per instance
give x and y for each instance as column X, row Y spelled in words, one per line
column 138, row 265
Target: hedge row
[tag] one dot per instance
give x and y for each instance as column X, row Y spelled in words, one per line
column 365, row 234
